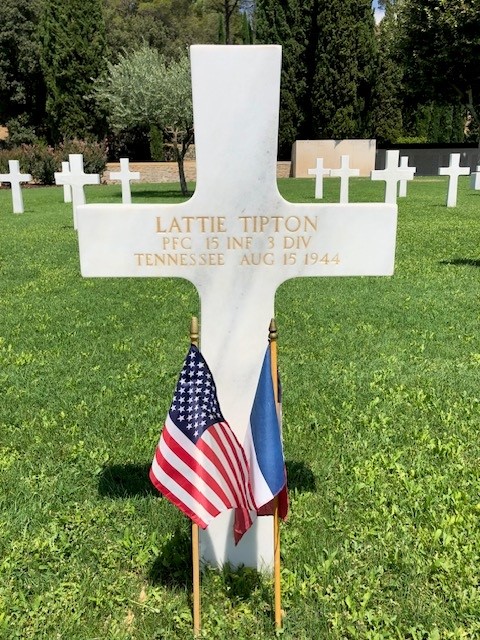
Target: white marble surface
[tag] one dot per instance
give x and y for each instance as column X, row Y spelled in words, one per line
column 392, row 175
column 319, row 172
column 402, row 185
column 345, row 172
column 453, row 171
column 67, row 190
column 76, row 178
column 15, row 178
column 125, row 176
column 237, row 240
column 475, row 179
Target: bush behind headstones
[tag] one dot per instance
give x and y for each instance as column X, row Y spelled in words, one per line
column 41, row 161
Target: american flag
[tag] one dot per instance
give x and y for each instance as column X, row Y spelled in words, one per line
column 199, row 465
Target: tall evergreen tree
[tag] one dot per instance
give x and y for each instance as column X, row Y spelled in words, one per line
column 346, row 59
column 288, row 22
column 21, row 80
column 73, row 47
column 386, row 112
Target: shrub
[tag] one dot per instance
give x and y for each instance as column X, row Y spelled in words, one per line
column 94, row 154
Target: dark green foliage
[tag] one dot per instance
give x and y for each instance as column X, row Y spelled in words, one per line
column 156, row 144
column 21, row 82
column 346, row 57
column 73, row 46
column 329, row 57
column 286, row 22
column 441, row 47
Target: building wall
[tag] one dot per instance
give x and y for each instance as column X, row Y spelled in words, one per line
column 306, row 152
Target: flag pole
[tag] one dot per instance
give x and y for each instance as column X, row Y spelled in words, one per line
column 273, row 337
column 194, row 339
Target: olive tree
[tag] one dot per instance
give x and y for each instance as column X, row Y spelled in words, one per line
column 143, row 89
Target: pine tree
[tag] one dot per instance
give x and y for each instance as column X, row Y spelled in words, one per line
column 287, row 22
column 73, row 46
column 346, row 57
column 21, row 80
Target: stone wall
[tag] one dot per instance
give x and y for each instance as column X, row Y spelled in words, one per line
column 168, row 171
column 306, row 152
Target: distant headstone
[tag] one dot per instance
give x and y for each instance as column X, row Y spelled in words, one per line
column 453, row 171
column 475, row 179
column 344, row 173
column 236, row 240
column 125, row 175
column 76, row 178
column 319, row 172
column 67, row 190
column 392, row 174
column 14, row 177
column 402, row 187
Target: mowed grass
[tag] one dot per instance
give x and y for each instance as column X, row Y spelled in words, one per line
column 381, row 381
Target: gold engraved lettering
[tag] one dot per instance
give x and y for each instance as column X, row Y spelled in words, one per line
column 191, row 224
column 296, row 242
column 176, row 242
column 239, row 243
column 257, row 259
column 276, row 224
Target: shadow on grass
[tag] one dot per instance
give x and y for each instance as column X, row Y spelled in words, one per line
column 159, row 194
column 462, row 262
column 300, row 477
column 125, row 481
column 173, row 566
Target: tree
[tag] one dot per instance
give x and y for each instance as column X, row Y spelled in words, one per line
column 329, row 57
column 346, row 58
column 22, row 91
column 288, row 23
column 144, row 90
column 386, row 112
column 72, row 55
column 441, row 42
column 230, row 11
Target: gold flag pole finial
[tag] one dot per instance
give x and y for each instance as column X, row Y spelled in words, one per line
column 272, row 330
column 194, row 334
column 195, row 340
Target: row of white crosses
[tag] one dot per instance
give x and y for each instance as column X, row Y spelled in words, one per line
column 395, row 175
column 73, row 178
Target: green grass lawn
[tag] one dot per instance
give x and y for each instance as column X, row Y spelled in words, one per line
column 381, row 380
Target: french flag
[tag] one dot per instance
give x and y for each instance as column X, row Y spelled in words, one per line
column 264, row 451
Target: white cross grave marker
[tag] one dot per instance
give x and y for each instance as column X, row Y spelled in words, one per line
column 67, row 190
column 402, row 186
column 236, row 240
column 453, row 171
column 77, row 179
column 392, row 174
column 344, row 173
column 125, row 175
column 319, row 172
column 475, row 179
column 14, row 177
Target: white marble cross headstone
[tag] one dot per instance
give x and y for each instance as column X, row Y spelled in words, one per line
column 319, row 172
column 14, row 177
column 402, row 187
column 125, row 175
column 236, row 240
column 392, row 174
column 475, row 179
column 67, row 190
column 344, row 173
column 453, row 171
column 77, row 179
